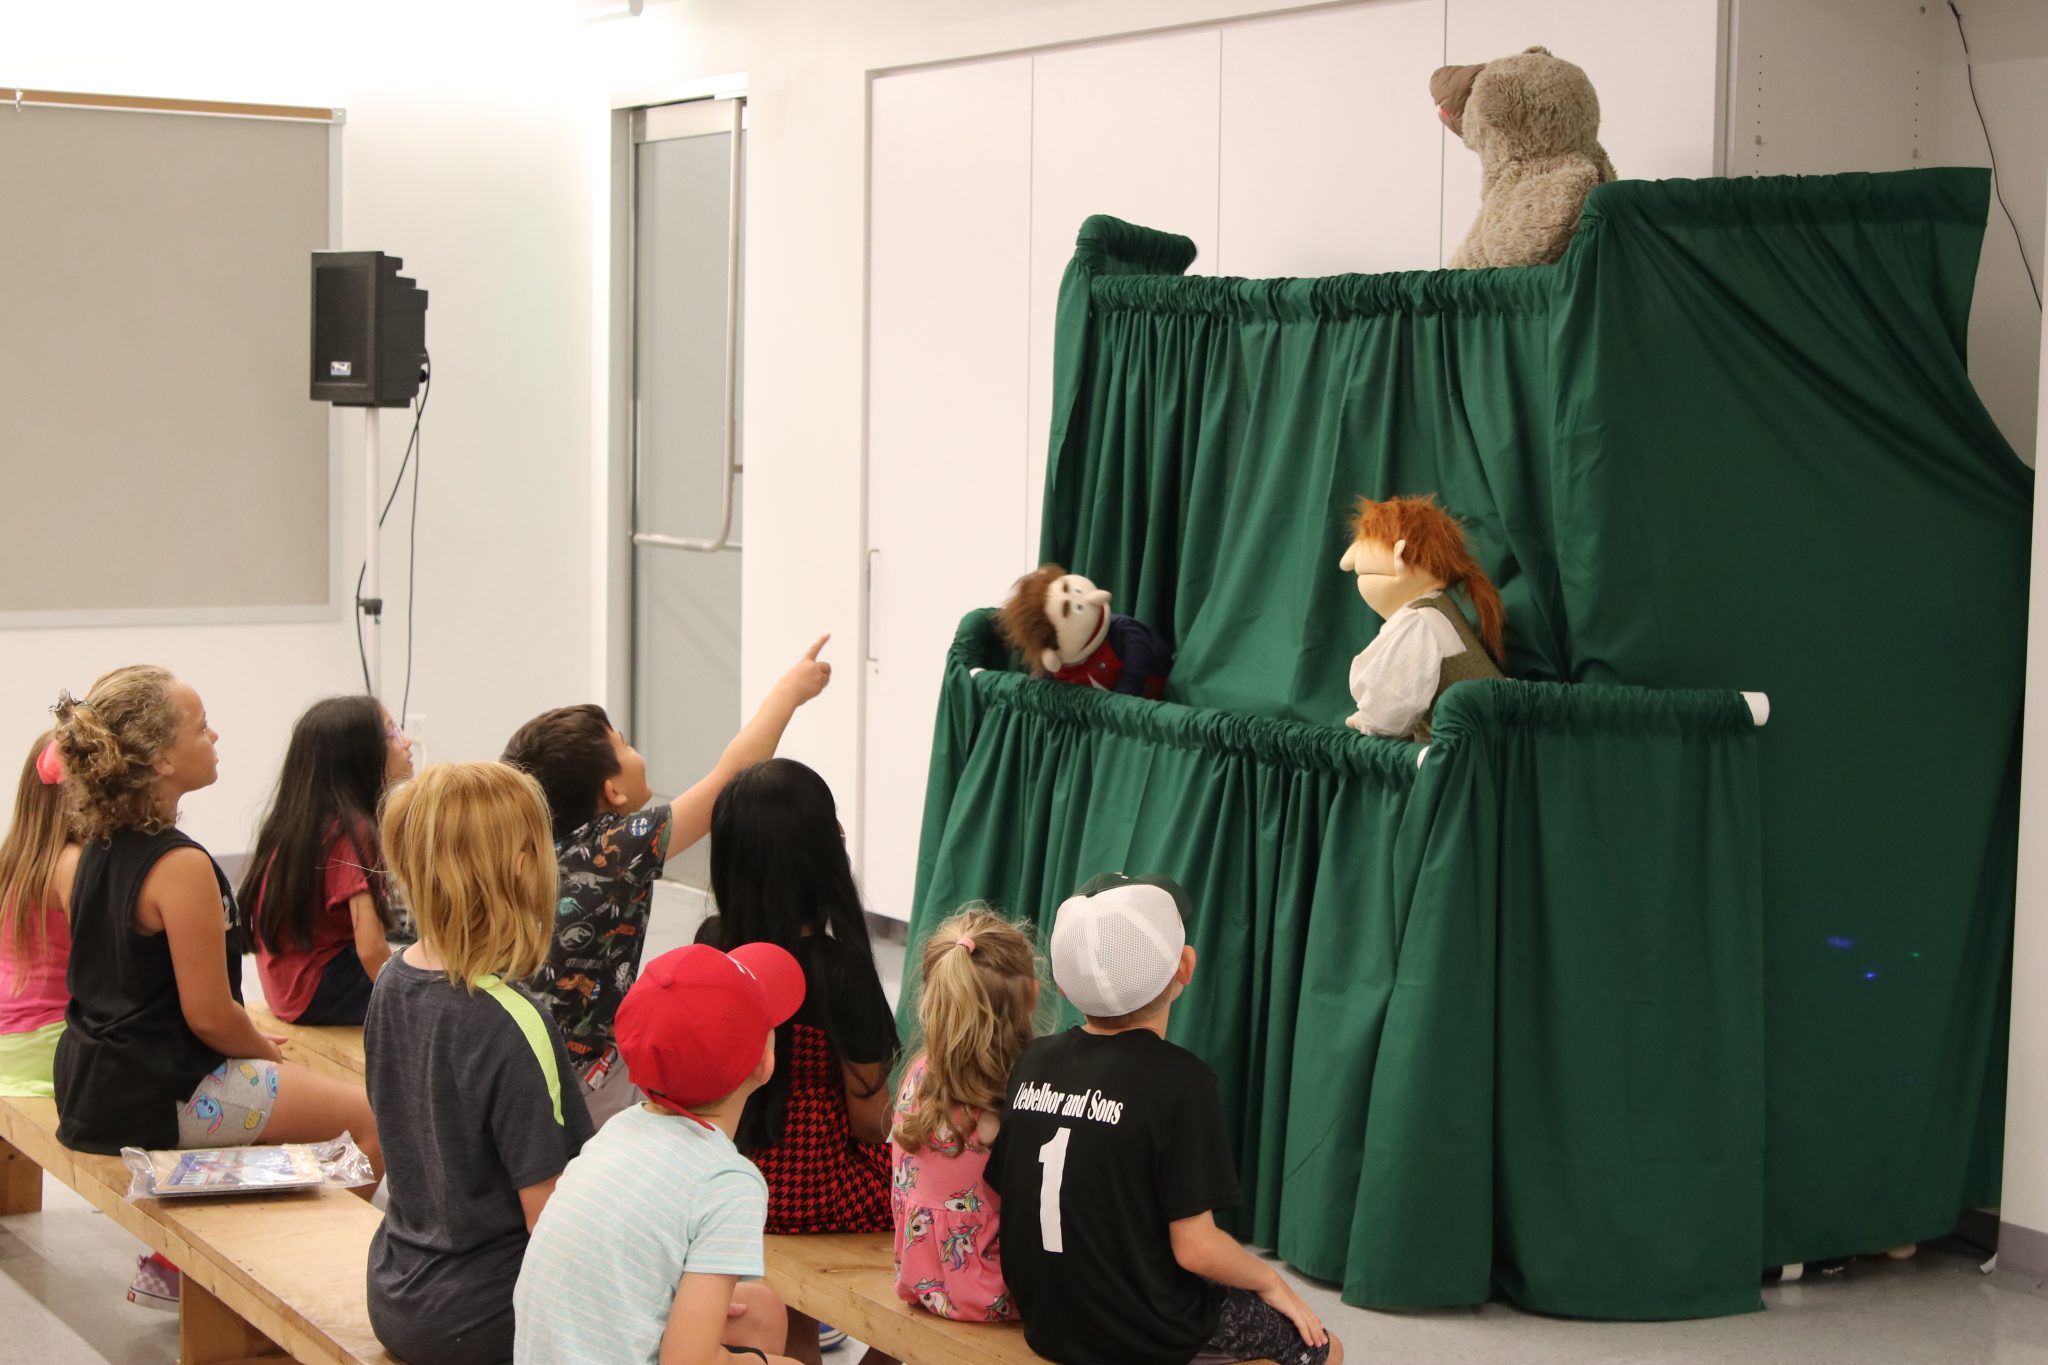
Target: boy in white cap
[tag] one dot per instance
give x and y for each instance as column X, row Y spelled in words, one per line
column 641, row 1252
column 1114, row 1155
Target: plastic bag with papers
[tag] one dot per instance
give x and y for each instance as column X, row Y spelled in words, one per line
column 246, row 1170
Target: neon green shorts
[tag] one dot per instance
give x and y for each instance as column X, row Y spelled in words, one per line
column 26, row 1060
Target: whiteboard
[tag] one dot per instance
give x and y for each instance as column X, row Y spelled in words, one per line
column 160, row 458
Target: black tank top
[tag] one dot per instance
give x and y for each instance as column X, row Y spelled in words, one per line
column 127, row 1059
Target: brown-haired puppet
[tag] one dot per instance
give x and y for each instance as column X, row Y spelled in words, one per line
column 1062, row 626
column 1406, row 552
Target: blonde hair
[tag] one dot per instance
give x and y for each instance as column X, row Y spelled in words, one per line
column 453, row 837
column 28, row 864
column 109, row 742
column 975, row 1009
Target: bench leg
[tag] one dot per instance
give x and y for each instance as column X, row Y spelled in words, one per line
column 211, row 1333
column 21, row 1181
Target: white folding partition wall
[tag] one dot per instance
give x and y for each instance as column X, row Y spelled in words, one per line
column 949, row 277
column 1128, row 129
column 1303, row 144
column 1329, row 142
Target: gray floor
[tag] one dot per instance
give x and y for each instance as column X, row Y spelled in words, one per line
column 64, row 1272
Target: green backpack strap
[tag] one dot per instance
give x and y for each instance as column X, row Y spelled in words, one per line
column 536, row 1033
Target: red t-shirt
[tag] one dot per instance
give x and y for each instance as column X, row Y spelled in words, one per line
column 290, row 977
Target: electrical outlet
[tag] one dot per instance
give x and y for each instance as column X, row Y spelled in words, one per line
column 415, row 727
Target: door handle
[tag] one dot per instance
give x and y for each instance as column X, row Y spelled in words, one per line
column 868, row 610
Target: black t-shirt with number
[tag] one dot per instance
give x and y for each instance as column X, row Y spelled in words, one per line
column 1107, row 1140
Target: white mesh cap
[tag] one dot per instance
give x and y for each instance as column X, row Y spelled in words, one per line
column 1116, row 943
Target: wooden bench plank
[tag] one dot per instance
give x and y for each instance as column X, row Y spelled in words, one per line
column 330, row 1049
column 849, row 1280
column 292, row 1267
column 211, row 1333
column 21, row 1182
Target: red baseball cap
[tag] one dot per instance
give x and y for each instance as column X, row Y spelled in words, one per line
column 695, row 1023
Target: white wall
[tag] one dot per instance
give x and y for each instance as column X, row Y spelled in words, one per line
column 1819, row 86
column 2025, row 1193
column 2009, row 45
column 808, row 65
column 467, row 153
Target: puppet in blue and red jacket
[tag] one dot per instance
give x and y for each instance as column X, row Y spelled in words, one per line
column 1062, row 625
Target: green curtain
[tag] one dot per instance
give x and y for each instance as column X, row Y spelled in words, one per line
column 1398, row 966
column 1568, row 1096
column 1803, row 482
column 1729, row 441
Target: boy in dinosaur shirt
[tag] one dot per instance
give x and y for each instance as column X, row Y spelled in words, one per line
column 611, row 846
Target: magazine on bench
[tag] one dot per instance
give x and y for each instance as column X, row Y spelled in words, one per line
column 276, row 1169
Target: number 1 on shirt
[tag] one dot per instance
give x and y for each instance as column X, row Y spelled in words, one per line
column 1052, row 1156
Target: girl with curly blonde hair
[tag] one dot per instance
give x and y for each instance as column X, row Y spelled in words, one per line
column 157, row 1050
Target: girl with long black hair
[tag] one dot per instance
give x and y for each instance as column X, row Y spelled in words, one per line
column 313, row 894
column 819, row 1128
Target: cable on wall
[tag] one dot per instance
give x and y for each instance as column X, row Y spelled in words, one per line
column 412, row 446
column 1997, row 181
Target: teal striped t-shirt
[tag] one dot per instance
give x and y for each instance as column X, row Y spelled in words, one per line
column 651, row 1198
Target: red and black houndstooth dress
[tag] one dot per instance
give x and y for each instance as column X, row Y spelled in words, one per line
column 821, row 1178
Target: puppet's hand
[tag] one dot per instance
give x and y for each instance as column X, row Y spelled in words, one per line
column 1355, row 722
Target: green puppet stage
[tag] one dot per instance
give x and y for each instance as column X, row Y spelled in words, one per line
column 1611, row 998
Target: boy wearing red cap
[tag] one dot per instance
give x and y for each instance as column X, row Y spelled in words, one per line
column 640, row 1253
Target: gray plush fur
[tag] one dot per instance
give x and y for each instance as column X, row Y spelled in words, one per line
column 1535, row 122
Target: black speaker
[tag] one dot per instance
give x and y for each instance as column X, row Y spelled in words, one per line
column 369, row 330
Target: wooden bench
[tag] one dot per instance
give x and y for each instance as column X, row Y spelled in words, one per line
column 332, row 1050
column 849, row 1280
column 846, row 1279
column 264, row 1277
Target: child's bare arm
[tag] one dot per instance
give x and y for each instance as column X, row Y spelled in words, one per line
column 371, row 946
column 755, row 743
column 870, row 1108
column 182, row 899
column 698, row 1321
column 534, row 1198
column 1204, row 1249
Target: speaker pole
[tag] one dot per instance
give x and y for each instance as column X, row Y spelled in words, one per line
column 371, row 603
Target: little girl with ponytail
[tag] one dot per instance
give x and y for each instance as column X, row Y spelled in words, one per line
column 975, row 1010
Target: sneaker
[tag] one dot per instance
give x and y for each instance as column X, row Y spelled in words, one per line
column 156, row 1283
column 830, row 1338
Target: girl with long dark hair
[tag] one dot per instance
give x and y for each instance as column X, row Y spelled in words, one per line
column 819, row 1128
column 313, row 893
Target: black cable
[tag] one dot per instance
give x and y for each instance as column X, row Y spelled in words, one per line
column 362, row 650
column 412, row 549
column 1997, row 182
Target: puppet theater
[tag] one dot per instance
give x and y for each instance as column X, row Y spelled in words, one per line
column 1608, row 997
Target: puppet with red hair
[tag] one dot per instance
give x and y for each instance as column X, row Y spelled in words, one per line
column 1407, row 552
column 1062, row 625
